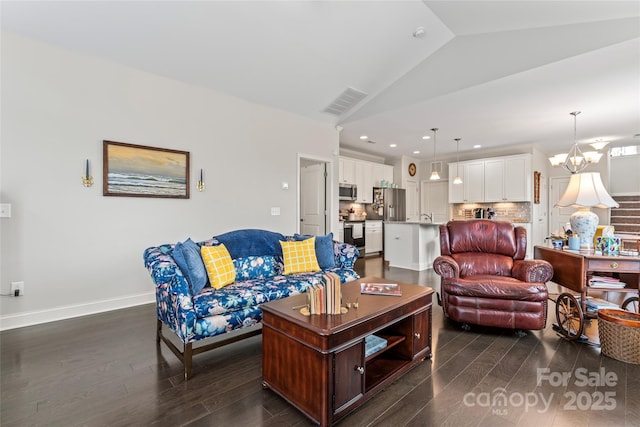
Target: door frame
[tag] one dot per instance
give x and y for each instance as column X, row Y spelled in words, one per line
column 329, row 193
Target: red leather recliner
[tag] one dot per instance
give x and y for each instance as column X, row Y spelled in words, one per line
column 485, row 279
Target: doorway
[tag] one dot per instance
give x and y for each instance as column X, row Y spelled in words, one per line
column 312, row 197
column 558, row 217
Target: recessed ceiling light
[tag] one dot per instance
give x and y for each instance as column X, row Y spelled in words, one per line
column 426, row 137
column 477, row 146
column 419, row 33
column 393, row 145
column 416, row 152
column 364, row 137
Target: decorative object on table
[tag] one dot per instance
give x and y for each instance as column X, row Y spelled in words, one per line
column 603, row 230
column 536, row 187
column 434, row 170
column 574, row 243
column 142, row 171
column 585, row 190
column 457, row 180
column 391, row 289
column 325, row 297
column 608, row 245
column 619, row 333
column 557, row 240
column 87, row 179
column 200, row 184
column 575, row 161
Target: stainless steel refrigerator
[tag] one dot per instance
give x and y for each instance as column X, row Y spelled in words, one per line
column 390, row 203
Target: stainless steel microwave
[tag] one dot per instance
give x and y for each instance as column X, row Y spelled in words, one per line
column 347, row 191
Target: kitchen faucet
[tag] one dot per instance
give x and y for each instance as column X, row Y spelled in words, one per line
column 429, row 216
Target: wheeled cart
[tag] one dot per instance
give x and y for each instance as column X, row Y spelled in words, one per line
column 572, row 269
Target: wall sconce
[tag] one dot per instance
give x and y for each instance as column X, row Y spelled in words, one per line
column 200, row 184
column 87, row 179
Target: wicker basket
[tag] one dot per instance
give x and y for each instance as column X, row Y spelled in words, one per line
column 619, row 333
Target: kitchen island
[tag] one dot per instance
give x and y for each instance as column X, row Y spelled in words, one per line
column 411, row 245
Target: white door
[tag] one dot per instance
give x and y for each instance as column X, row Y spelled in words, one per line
column 559, row 217
column 435, row 200
column 312, row 199
column 412, row 206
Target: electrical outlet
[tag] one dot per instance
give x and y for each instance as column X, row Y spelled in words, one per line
column 17, row 286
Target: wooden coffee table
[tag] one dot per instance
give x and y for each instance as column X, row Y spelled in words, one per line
column 318, row 364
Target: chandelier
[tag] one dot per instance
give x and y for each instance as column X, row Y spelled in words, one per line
column 575, row 161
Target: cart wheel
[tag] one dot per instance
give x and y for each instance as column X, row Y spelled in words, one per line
column 569, row 316
column 631, row 304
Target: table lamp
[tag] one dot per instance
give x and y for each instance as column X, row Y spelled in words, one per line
column 585, row 190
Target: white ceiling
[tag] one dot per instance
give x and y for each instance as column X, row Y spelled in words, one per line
column 494, row 73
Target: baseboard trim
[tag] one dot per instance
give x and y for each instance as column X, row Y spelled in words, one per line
column 37, row 317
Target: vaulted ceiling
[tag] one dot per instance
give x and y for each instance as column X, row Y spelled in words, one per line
column 494, row 73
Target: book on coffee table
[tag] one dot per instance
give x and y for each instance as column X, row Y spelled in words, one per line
column 392, row 289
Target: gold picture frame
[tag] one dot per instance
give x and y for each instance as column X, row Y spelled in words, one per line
column 131, row 170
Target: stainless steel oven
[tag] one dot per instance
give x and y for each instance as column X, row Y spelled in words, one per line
column 354, row 234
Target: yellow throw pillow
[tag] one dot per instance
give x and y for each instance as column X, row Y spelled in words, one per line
column 219, row 265
column 300, row 257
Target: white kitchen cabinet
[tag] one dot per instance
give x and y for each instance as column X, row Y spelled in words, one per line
column 472, row 188
column 347, row 170
column 500, row 179
column 373, row 236
column 517, row 178
column 381, row 173
column 364, row 181
column 507, row 179
column 494, row 180
column 365, row 175
column 473, row 182
column 340, row 231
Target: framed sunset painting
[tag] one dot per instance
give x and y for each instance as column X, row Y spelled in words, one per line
column 141, row 171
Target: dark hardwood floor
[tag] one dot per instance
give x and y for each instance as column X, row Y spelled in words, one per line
column 106, row 370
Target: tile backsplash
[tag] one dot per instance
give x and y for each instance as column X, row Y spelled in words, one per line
column 511, row 211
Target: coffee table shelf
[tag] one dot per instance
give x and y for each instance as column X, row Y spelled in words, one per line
column 392, row 341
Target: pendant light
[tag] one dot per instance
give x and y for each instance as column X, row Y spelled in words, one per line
column 576, row 160
column 434, row 170
column 457, row 180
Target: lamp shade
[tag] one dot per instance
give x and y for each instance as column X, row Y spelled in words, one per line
column 586, row 190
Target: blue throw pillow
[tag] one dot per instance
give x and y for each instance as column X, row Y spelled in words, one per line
column 187, row 256
column 251, row 242
column 324, row 249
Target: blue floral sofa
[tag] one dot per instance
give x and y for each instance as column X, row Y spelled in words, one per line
column 194, row 310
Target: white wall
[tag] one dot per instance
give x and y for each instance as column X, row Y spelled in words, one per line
column 79, row 252
column 625, row 175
